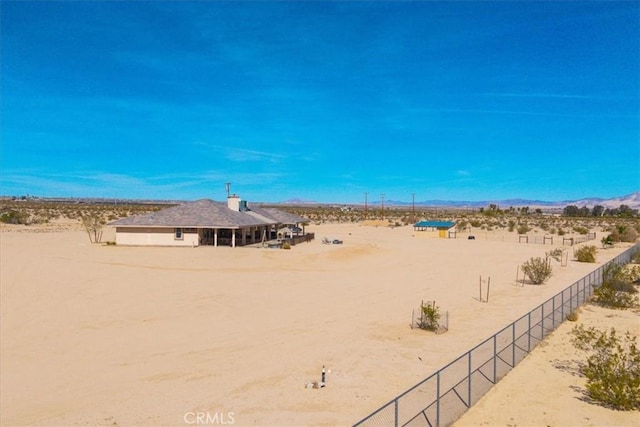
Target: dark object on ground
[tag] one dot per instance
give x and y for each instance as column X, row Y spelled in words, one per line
column 337, row 242
column 471, row 238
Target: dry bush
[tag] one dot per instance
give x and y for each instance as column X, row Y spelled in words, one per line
column 613, row 366
column 586, row 254
column 537, row 269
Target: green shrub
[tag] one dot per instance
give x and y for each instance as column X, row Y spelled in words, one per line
column 621, row 285
column 607, row 242
column 429, row 316
column 586, row 254
column 617, row 289
column 612, row 271
column 613, row 367
column 286, row 245
column 538, row 269
column 580, row 230
column 609, row 296
column 14, row 217
column 523, row 229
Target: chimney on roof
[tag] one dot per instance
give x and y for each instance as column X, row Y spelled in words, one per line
column 233, row 202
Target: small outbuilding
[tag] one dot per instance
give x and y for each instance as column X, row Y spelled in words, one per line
column 441, row 227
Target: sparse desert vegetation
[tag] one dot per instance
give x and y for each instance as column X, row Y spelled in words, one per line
column 612, row 367
column 537, row 269
column 358, row 278
column 616, row 225
column 39, row 211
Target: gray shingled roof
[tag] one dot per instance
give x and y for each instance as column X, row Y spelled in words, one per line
column 201, row 213
column 277, row 215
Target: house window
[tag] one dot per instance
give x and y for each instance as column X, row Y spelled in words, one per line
column 178, row 233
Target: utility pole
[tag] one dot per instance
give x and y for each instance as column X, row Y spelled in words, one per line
column 365, row 204
column 382, row 204
column 413, row 205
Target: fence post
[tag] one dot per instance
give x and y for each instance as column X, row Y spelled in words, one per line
column 542, row 321
column 529, row 335
column 438, row 399
column 469, row 383
column 571, row 299
column 513, row 344
column 553, row 313
column 562, row 307
column 495, row 358
column 395, row 409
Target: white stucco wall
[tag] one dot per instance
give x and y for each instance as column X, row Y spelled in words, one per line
column 154, row 237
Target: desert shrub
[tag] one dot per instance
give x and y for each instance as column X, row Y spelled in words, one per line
column 523, row 229
column 555, row 254
column 607, row 241
column 586, row 254
column 613, row 366
column 511, row 225
column 561, row 232
column 614, row 295
column 635, row 257
column 627, row 273
column 14, row 217
column 538, row 269
column 286, row 245
column 429, row 316
column 93, row 226
column 612, row 271
column 624, row 233
column 607, row 296
column 573, row 316
column 580, row 230
column 617, row 290
column 462, row 225
column 621, row 285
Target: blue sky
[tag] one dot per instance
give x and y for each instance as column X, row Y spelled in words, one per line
column 320, row 100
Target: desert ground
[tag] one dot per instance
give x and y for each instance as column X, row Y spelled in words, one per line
column 106, row 335
column 547, row 389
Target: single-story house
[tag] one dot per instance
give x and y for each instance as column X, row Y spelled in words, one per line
column 204, row 222
column 440, row 226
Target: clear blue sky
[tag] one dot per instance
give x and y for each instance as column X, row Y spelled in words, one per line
column 321, row 100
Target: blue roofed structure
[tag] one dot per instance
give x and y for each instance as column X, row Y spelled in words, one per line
column 434, row 224
column 441, row 226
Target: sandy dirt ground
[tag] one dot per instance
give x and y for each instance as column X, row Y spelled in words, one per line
column 105, row 335
column 547, row 389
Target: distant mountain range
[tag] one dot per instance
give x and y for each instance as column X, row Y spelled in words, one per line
column 632, row 200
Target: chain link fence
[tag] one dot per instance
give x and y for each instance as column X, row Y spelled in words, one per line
column 444, row 396
column 564, row 240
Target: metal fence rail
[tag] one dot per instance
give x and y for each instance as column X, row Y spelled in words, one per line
column 444, row 396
